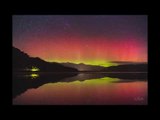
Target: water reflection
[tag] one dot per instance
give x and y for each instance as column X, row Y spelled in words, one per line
column 24, row 81
column 77, row 89
column 89, row 92
column 33, row 75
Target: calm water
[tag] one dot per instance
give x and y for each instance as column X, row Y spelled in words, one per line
column 79, row 89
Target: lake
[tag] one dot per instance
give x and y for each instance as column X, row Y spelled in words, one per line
column 82, row 88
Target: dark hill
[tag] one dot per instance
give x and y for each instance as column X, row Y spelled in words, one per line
column 127, row 68
column 83, row 67
column 21, row 62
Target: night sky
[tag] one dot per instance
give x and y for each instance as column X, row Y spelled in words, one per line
column 89, row 39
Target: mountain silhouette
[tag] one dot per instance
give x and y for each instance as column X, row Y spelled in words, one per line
column 122, row 67
column 141, row 67
column 83, row 67
column 22, row 62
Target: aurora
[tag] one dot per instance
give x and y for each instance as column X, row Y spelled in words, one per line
column 88, row 39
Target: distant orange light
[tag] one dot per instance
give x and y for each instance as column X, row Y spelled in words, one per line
column 34, row 69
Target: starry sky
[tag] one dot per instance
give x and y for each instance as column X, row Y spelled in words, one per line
column 89, row 39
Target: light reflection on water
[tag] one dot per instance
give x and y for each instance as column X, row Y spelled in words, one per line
column 98, row 91
column 33, row 75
